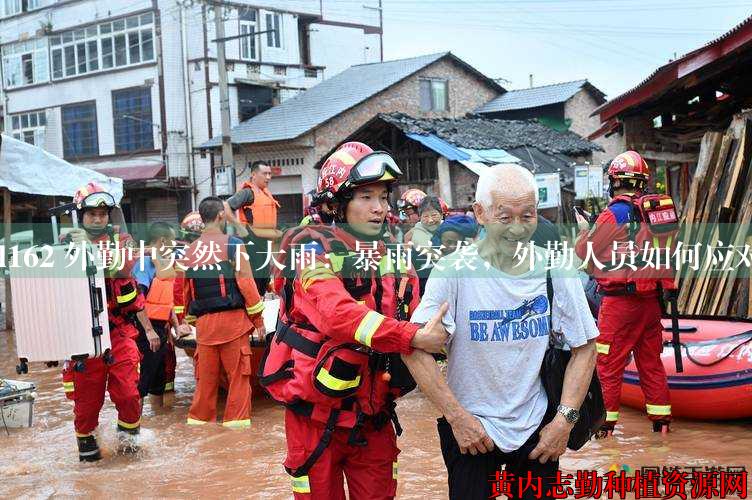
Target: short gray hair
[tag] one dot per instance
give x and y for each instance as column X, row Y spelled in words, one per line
column 503, row 177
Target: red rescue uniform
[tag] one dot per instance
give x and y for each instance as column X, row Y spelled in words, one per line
column 629, row 320
column 339, row 329
column 222, row 327
column 120, row 378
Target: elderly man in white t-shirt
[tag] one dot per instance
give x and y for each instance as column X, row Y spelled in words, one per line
column 498, row 328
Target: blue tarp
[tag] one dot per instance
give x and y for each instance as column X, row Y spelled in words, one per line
column 445, row 149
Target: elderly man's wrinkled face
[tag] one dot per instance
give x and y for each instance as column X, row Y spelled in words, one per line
column 510, row 220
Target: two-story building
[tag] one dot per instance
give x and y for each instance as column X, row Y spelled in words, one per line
column 130, row 88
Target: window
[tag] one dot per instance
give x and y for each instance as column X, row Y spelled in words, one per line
column 274, row 38
column 80, row 130
column 434, row 95
column 109, row 45
column 25, row 63
column 280, row 70
column 13, row 7
column 248, row 26
column 254, row 99
column 29, row 127
column 132, row 118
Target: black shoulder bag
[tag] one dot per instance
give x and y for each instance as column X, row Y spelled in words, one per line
column 592, row 411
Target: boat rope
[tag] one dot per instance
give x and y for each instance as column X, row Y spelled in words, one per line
column 713, row 363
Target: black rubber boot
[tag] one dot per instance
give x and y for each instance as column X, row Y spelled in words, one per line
column 88, row 449
column 661, row 426
column 606, row 431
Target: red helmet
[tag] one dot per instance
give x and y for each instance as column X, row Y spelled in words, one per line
column 629, row 165
column 92, row 195
column 192, row 223
column 354, row 164
column 411, row 199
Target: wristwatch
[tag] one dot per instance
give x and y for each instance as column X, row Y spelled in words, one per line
column 570, row 414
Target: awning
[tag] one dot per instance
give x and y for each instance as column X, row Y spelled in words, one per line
column 141, row 172
column 29, row 169
column 445, row 149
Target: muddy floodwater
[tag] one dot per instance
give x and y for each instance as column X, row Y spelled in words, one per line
column 178, row 461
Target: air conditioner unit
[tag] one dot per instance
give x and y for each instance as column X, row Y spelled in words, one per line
column 224, row 180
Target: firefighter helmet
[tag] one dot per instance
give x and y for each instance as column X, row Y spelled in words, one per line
column 354, row 164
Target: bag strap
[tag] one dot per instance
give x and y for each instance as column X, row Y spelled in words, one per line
column 326, row 437
column 550, row 295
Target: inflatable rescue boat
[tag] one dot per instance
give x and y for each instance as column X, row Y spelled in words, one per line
column 716, row 383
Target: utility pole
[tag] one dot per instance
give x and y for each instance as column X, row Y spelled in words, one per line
column 380, row 8
column 224, row 94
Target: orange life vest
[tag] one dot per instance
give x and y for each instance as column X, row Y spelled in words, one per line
column 262, row 213
column 160, row 299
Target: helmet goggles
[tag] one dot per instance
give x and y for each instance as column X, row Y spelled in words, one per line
column 377, row 166
column 98, row 200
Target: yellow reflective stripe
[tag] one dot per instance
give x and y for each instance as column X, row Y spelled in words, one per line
column 395, row 470
column 237, row 424
column 301, row 484
column 68, row 386
column 189, row 318
column 612, row 416
column 602, row 348
column 193, row 421
column 666, row 201
column 334, row 383
column 255, row 309
column 658, row 409
column 179, row 309
column 129, row 426
column 169, row 386
column 80, row 435
column 361, row 302
column 123, row 299
column 367, row 327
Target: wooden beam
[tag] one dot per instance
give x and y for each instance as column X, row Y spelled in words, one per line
column 668, row 156
column 6, row 229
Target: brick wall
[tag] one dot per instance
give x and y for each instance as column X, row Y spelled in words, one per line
column 578, row 109
column 464, row 183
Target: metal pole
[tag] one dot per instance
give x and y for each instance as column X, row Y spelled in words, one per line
column 8, row 245
column 224, row 98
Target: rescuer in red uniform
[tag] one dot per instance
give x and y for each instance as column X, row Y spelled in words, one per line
column 629, row 320
column 334, row 359
column 117, row 373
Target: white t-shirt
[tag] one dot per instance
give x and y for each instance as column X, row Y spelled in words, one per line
column 499, row 330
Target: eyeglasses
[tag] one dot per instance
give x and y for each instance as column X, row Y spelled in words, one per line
column 97, row 200
column 374, row 167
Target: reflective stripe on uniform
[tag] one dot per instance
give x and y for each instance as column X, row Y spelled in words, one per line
column 367, row 327
column 128, row 297
column 126, row 425
column 83, row 435
column 602, row 348
column 255, row 309
column 395, row 470
column 193, row 421
column 169, row 386
column 68, row 386
column 612, row 416
column 189, row 318
column 301, row 485
column 338, row 261
column 334, row 383
column 237, row 424
column 317, row 272
column 658, row 409
column 179, row 309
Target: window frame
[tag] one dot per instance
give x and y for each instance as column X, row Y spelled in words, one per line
column 119, row 148
column 249, row 43
column 431, row 95
column 38, row 131
column 273, row 39
column 92, row 38
column 14, row 71
column 63, row 124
